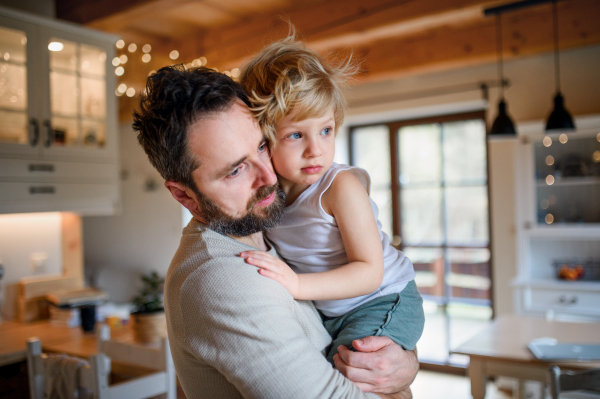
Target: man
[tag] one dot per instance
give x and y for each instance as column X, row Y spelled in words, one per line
column 234, row 333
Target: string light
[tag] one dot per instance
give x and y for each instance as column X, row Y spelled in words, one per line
column 118, row 93
column 116, row 61
column 152, row 72
column 196, row 63
column 563, row 138
column 123, row 59
column 596, row 156
column 132, row 47
column 547, row 141
column 549, row 218
column 204, row 61
column 122, row 88
column 174, row 54
column 146, row 48
column 598, row 137
column 549, row 160
column 227, row 73
column 130, row 92
column 545, row 204
column 235, row 72
column 549, row 180
column 120, row 43
column 146, row 58
column 119, row 71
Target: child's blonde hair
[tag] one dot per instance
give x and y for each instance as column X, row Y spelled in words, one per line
column 286, row 76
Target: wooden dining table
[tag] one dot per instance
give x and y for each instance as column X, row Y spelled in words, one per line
column 501, row 350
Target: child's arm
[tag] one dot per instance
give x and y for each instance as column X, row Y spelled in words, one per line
column 348, row 202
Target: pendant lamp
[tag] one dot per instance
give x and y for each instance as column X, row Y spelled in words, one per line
column 560, row 119
column 503, row 125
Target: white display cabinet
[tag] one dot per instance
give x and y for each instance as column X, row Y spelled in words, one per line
column 558, row 221
column 58, row 117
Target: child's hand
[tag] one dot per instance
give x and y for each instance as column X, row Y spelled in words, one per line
column 270, row 266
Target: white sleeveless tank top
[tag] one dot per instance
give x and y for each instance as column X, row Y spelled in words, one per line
column 309, row 240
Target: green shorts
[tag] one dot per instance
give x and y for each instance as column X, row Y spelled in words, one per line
column 397, row 316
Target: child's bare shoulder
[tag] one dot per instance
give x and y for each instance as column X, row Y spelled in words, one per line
column 344, row 186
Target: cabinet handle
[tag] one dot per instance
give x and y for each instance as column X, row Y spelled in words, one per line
column 573, row 300
column 49, row 133
column 42, row 190
column 41, row 167
column 34, row 132
column 562, row 299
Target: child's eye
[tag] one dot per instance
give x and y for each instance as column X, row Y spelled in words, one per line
column 326, row 131
column 294, row 136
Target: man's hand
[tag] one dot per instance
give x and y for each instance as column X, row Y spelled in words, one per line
column 379, row 365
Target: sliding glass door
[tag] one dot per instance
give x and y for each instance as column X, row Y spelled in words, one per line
column 429, row 180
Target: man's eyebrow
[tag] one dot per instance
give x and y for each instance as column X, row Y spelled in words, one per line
column 225, row 171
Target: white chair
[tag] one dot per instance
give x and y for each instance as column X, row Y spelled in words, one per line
column 95, row 376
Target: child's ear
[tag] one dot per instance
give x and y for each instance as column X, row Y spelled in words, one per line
column 182, row 194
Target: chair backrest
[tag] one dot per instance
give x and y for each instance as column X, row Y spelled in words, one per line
column 95, row 376
column 561, row 381
column 163, row 382
column 90, row 375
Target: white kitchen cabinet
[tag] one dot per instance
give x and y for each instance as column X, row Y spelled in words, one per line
column 58, row 117
column 558, row 220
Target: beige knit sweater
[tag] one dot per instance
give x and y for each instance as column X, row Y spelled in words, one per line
column 234, row 333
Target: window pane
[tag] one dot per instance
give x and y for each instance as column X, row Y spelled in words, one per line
column 13, row 87
column 465, row 152
column 433, row 345
column 13, row 127
column 12, row 45
column 92, row 61
column 421, row 216
column 66, row 131
column 371, row 151
column 467, row 213
column 93, row 98
column 63, row 94
column 469, row 275
column 63, row 58
column 429, row 269
column 420, row 155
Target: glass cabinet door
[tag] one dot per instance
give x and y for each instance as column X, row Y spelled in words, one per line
column 567, row 175
column 15, row 112
column 77, row 95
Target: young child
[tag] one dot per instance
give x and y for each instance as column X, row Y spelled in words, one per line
column 329, row 236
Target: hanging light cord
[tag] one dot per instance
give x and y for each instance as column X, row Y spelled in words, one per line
column 556, row 56
column 499, row 50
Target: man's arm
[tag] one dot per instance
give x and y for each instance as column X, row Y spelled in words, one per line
column 379, row 365
column 247, row 328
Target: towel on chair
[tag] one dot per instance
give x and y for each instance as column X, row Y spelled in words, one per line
column 62, row 377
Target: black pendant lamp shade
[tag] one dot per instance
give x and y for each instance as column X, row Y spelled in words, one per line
column 560, row 119
column 503, row 125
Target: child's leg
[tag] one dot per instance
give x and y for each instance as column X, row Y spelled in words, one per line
column 398, row 316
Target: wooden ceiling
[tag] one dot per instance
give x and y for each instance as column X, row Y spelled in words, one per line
column 391, row 38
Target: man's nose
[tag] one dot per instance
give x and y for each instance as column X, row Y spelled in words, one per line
column 265, row 175
column 313, row 148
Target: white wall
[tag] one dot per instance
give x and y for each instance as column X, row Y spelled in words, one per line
column 530, row 97
column 21, row 236
column 144, row 237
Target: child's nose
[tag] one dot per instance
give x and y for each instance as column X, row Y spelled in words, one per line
column 313, row 149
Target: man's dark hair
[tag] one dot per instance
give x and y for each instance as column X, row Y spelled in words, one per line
column 175, row 98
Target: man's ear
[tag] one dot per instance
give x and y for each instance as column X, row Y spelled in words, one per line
column 182, row 194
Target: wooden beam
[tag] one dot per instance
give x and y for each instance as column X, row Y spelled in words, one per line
column 85, row 11
column 524, row 33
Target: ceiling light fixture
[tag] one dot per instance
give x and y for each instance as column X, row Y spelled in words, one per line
column 503, row 125
column 559, row 120
column 55, row 46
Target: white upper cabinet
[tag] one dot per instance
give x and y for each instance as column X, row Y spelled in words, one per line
column 58, row 117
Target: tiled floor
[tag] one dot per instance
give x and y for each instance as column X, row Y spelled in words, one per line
column 430, row 385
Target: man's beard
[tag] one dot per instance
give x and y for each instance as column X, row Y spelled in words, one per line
column 248, row 224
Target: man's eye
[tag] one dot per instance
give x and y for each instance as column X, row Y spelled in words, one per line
column 263, row 147
column 294, row 136
column 235, row 172
column 326, row 131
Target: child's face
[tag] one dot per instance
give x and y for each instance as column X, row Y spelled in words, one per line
column 305, row 149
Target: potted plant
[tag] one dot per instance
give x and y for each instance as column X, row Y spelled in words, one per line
column 148, row 319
